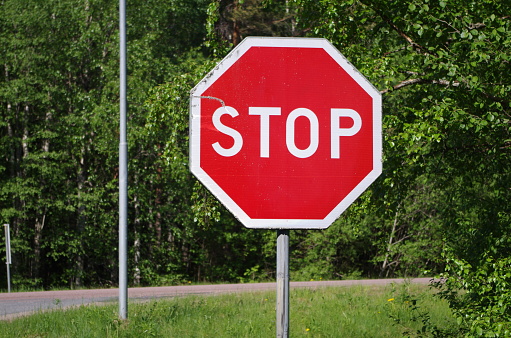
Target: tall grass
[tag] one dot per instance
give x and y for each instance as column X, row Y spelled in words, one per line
column 385, row 311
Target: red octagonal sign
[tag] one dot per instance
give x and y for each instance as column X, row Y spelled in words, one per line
column 285, row 132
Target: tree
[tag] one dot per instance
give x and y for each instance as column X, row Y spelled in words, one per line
column 59, row 88
column 50, row 85
column 443, row 67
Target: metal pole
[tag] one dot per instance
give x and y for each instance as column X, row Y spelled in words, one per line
column 8, row 278
column 123, row 170
column 282, row 283
column 8, row 255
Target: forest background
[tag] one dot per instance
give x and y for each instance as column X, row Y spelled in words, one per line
column 440, row 206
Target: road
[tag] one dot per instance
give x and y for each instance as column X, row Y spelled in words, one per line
column 22, row 303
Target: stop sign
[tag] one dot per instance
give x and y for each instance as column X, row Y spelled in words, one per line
column 285, row 132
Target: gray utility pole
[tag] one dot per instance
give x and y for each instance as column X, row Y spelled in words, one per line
column 123, row 170
column 8, row 255
column 282, row 283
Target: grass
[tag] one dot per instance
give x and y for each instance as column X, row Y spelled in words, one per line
column 383, row 311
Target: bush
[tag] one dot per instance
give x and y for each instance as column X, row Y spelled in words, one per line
column 479, row 296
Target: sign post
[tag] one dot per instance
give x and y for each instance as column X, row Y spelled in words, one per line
column 8, row 255
column 286, row 133
column 123, row 166
column 282, row 283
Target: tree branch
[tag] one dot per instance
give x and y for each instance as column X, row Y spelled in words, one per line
column 401, row 32
column 419, row 80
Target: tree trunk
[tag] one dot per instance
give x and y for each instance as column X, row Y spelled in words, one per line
column 385, row 264
column 81, row 219
column 38, row 236
column 136, row 243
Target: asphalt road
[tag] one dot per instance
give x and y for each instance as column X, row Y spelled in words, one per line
column 22, row 303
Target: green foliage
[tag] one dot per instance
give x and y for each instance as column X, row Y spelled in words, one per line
column 480, row 295
column 214, row 42
column 444, row 70
column 58, row 140
column 51, row 85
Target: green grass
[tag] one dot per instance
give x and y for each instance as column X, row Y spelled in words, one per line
column 384, row 311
